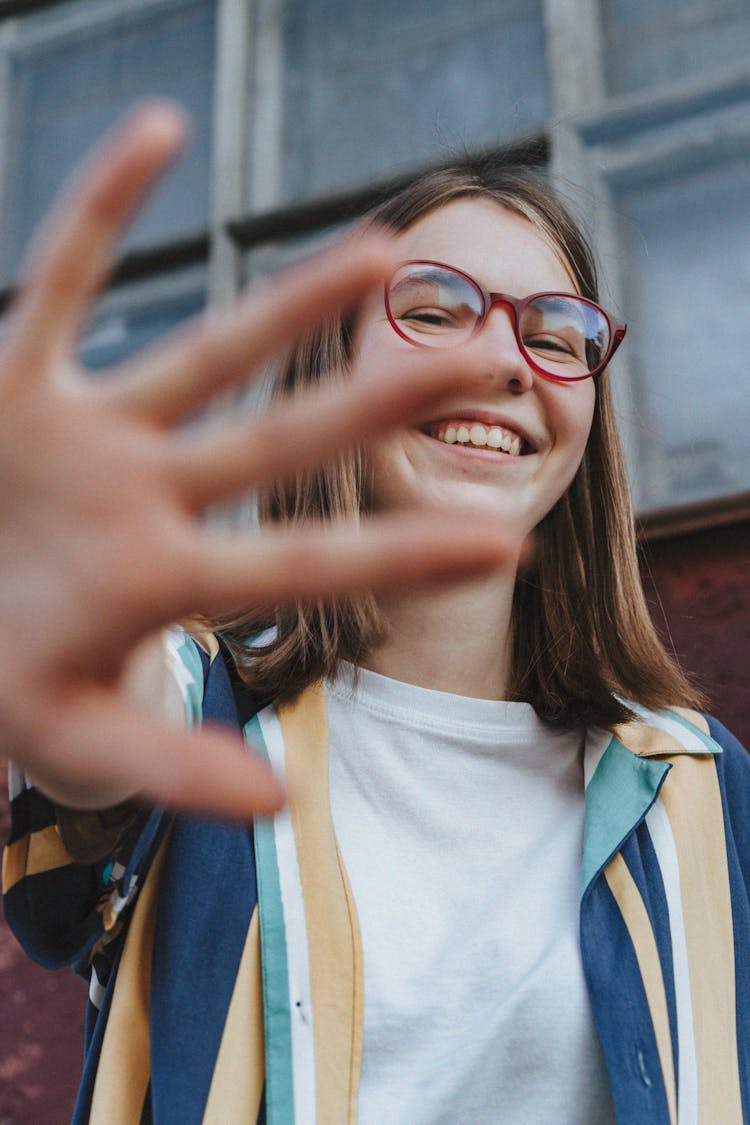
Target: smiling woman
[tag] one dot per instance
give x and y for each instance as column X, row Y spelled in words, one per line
column 575, row 619
column 511, row 880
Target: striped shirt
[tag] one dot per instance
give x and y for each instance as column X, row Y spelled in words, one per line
column 225, row 964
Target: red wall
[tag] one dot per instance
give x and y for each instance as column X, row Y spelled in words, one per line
column 699, row 592
column 699, row 589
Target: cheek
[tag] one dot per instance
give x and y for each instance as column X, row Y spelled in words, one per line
column 391, row 479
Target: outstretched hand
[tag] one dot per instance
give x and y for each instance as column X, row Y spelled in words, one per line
column 101, row 496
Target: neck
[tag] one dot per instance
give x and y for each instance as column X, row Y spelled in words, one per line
column 454, row 639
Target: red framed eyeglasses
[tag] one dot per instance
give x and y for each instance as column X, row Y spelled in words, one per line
column 561, row 336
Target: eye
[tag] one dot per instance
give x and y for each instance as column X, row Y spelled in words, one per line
column 555, row 345
column 430, row 318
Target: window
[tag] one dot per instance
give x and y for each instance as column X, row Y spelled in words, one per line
column 304, row 108
column 688, row 292
column 650, row 42
column 366, row 89
column 71, row 71
column 133, row 315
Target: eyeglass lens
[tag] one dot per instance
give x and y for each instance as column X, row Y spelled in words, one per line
column 435, row 307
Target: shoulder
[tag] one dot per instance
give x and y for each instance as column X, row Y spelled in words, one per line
column 733, row 764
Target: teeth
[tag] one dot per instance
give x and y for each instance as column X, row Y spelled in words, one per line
column 480, row 436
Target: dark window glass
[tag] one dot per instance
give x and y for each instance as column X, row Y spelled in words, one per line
column 135, row 315
column 74, row 70
column 688, row 242
column 367, row 89
column 654, row 41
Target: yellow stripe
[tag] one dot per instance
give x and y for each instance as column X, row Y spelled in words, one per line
column 237, row 1082
column 646, row 741
column 124, row 1067
column 692, row 801
column 33, row 854
column 628, row 898
column 358, row 992
column 333, row 931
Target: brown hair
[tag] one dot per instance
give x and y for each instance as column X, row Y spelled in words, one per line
column 582, row 638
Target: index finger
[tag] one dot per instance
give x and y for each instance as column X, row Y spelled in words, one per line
column 73, row 249
column 170, row 380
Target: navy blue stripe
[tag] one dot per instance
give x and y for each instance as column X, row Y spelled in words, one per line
column 733, row 768
column 640, row 857
column 206, row 901
column 247, row 704
column 52, row 914
column 621, row 1011
column 30, row 811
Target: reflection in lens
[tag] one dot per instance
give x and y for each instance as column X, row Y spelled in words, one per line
column 434, row 306
column 565, row 332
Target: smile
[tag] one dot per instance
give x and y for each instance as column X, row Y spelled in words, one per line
column 478, row 436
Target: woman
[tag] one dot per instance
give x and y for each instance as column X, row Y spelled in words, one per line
column 402, row 942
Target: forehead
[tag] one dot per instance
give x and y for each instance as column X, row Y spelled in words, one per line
column 503, row 251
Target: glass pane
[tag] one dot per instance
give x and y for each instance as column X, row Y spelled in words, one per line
column 689, row 292
column 129, row 318
column 268, row 258
column 72, row 74
column 260, row 264
column 368, row 89
column 654, row 41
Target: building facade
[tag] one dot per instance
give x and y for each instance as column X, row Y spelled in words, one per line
column 637, row 110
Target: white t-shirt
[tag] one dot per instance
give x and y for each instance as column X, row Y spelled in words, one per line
column 460, row 823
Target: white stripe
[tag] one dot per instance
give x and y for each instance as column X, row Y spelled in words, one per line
column 118, row 902
column 660, row 831
column 295, row 926
column 17, row 781
column 679, row 731
column 597, row 741
column 96, row 990
column 189, row 681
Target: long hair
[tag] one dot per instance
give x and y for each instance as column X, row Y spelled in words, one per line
column 583, row 642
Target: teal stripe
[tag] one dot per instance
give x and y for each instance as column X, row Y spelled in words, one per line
column 619, row 795
column 274, row 971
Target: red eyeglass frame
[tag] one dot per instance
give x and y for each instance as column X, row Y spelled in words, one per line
column 517, row 305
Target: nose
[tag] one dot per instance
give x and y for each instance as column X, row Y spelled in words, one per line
column 506, row 366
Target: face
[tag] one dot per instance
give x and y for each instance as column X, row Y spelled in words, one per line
column 542, row 426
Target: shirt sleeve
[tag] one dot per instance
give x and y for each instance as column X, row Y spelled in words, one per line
column 70, row 878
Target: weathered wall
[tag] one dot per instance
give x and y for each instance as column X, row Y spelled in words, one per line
column 699, row 589
column 699, row 592
column 41, row 1033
